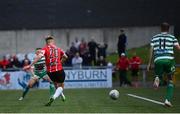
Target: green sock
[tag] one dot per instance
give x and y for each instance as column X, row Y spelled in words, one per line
column 51, row 89
column 170, row 89
column 25, row 91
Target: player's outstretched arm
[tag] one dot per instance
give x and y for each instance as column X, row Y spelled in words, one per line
column 38, row 57
column 64, row 58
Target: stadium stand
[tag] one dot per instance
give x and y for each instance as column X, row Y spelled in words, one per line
column 19, row 14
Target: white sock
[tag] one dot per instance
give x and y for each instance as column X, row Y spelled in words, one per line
column 58, row 92
column 62, row 94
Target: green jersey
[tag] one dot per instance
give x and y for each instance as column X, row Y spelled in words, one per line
column 39, row 67
column 163, row 46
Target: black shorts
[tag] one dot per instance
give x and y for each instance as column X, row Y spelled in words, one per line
column 58, row 76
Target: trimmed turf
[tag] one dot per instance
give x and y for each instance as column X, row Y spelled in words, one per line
column 88, row 100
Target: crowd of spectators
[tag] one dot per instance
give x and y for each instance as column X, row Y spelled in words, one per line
column 13, row 62
column 82, row 53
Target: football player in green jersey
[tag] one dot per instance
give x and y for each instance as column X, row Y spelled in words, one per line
column 162, row 49
column 39, row 72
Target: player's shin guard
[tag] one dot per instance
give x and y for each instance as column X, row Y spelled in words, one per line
column 51, row 89
column 25, row 91
column 170, row 89
column 58, row 92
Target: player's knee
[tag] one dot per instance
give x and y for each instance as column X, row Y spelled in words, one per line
column 31, row 83
column 30, row 86
column 60, row 85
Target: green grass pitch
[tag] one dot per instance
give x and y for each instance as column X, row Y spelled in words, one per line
column 88, row 100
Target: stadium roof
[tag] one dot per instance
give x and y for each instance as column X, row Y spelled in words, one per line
column 38, row 14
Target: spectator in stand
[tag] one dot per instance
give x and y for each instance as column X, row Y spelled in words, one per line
column 102, row 50
column 77, row 43
column 101, row 61
column 68, row 61
column 122, row 43
column 109, row 64
column 122, row 66
column 4, row 63
column 92, row 50
column 10, row 61
column 82, row 47
column 26, row 60
column 26, row 63
column 77, row 61
column 135, row 61
column 73, row 49
column 86, row 58
column 14, row 62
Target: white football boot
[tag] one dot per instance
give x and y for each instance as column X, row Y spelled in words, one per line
column 21, row 98
column 168, row 103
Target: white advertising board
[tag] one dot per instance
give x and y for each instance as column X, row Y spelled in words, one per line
column 76, row 78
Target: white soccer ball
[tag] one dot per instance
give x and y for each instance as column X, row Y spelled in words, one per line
column 114, row 94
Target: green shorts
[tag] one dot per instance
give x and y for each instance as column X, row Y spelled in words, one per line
column 40, row 74
column 164, row 66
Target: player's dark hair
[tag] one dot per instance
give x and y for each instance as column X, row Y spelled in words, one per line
column 38, row 49
column 165, row 27
column 48, row 38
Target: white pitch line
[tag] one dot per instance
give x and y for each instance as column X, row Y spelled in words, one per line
column 146, row 99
